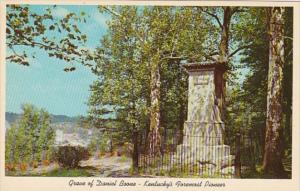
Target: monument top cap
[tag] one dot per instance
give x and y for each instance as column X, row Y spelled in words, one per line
column 194, row 67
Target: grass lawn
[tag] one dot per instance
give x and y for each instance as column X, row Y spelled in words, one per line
column 60, row 172
column 68, row 173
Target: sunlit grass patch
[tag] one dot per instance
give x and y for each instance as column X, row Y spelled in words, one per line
column 68, row 173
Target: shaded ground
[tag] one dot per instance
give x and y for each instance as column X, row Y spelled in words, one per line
column 113, row 166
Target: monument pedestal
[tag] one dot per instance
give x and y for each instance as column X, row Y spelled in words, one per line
column 203, row 142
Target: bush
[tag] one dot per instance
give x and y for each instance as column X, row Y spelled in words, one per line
column 23, row 166
column 34, row 164
column 70, row 156
column 46, row 162
column 10, row 167
column 30, row 138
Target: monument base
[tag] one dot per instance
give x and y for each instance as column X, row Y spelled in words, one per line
column 203, row 149
column 213, row 160
column 218, row 154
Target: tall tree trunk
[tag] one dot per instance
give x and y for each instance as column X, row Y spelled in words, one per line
column 135, row 136
column 272, row 163
column 223, row 54
column 13, row 150
column 154, row 136
column 135, row 153
column 223, row 46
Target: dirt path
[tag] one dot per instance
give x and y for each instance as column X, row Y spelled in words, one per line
column 108, row 166
column 112, row 166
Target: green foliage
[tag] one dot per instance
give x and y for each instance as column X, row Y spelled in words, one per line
column 30, row 139
column 173, row 97
column 246, row 109
column 99, row 142
column 123, row 159
column 70, row 156
column 10, row 146
column 288, row 79
column 135, row 36
column 68, row 173
column 141, row 40
column 60, row 38
column 174, row 35
column 247, row 103
column 95, row 141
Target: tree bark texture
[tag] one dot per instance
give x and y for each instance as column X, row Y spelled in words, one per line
column 135, row 153
column 154, row 135
column 272, row 162
column 224, row 53
column 223, row 46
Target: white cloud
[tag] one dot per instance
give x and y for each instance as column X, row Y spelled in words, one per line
column 60, row 12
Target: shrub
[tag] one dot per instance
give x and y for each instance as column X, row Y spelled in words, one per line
column 29, row 138
column 69, row 156
column 34, row 164
column 10, row 167
column 46, row 162
column 23, row 166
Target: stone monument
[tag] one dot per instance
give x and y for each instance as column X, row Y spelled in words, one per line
column 203, row 141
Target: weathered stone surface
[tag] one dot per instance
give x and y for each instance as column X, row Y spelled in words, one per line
column 203, row 133
column 205, row 101
column 203, row 141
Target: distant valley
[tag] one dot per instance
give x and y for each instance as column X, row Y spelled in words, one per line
column 11, row 117
column 68, row 129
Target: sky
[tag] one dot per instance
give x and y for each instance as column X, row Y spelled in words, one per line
column 44, row 83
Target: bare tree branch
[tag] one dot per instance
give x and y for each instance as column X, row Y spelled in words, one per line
column 112, row 11
column 209, row 57
column 237, row 10
column 214, row 16
column 173, row 58
column 239, row 49
column 290, row 52
column 288, row 37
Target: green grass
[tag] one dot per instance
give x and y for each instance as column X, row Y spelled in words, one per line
column 54, row 173
column 123, row 158
column 68, row 173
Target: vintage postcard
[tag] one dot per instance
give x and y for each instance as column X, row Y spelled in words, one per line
column 141, row 95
